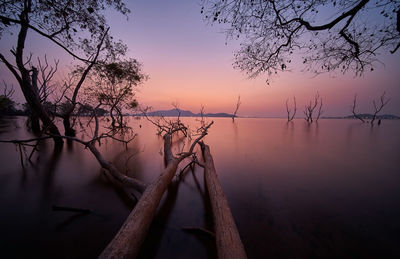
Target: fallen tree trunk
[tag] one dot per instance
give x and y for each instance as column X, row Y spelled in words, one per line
column 128, row 240
column 227, row 236
column 125, row 180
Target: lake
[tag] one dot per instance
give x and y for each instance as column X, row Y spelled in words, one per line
column 296, row 190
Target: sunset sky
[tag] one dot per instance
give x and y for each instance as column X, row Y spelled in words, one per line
column 188, row 62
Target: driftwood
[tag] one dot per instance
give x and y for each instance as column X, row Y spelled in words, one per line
column 227, row 236
column 128, row 240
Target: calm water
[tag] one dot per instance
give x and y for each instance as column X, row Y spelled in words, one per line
column 330, row 189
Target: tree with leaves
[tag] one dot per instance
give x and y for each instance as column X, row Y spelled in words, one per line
column 7, row 105
column 112, row 84
column 77, row 27
column 329, row 35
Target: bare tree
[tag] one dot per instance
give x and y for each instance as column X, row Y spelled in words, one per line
column 238, row 103
column 310, row 108
column 290, row 115
column 46, row 74
column 353, row 109
column 115, row 176
column 330, row 35
column 320, row 111
column 378, row 107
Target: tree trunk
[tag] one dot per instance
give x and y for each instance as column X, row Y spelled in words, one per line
column 128, row 240
column 123, row 179
column 227, row 236
column 34, row 123
column 39, row 111
column 25, row 81
column 68, row 130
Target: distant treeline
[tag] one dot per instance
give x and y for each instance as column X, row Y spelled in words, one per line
column 9, row 108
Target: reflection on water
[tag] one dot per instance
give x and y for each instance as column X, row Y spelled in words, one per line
column 296, row 190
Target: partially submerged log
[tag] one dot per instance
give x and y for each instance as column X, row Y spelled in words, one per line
column 128, row 240
column 123, row 179
column 227, row 236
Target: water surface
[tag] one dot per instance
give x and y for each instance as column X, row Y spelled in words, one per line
column 296, row 190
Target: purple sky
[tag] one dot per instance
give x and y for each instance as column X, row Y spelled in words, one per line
column 189, row 63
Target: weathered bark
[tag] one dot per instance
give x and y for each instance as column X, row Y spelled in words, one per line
column 227, row 236
column 125, row 180
column 128, row 240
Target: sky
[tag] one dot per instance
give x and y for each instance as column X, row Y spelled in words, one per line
column 189, row 62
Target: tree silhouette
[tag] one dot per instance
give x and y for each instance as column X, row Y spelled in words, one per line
column 112, row 84
column 78, row 27
column 7, row 105
column 330, row 35
column 290, row 114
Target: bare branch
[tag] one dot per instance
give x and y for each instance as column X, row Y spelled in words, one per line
column 238, row 103
column 378, row 107
column 353, row 109
column 274, row 31
column 310, row 108
column 11, row 68
column 319, row 110
column 290, row 115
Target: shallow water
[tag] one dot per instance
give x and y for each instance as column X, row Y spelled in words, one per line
column 296, row 190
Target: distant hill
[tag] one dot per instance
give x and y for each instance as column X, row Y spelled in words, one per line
column 369, row 116
column 183, row 113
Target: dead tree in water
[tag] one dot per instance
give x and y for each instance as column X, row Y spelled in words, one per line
column 378, row 108
column 238, row 103
column 228, row 242
column 290, row 116
column 353, row 109
column 118, row 178
column 319, row 110
column 128, row 240
column 310, row 108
